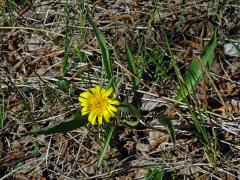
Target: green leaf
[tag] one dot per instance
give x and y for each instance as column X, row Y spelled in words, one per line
column 105, row 53
column 130, row 109
column 167, row 123
column 195, row 70
column 132, row 66
column 67, row 41
column 74, row 122
column 2, row 117
column 131, row 123
column 154, row 174
column 106, row 145
column 63, row 85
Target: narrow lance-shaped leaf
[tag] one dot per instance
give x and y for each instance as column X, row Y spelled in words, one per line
column 132, row 66
column 106, row 145
column 105, row 53
column 167, row 123
column 131, row 123
column 195, row 70
column 136, row 100
column 152, row 174
column 76, row 121
column 2, row 117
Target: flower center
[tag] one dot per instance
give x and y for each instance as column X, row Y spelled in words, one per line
column 98, row 104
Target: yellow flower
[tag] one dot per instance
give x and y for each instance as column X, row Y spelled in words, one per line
column 98, row 104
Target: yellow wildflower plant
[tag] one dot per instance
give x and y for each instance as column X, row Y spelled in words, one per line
column 98, row 105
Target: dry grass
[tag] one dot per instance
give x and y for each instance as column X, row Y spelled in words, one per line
column 49, row 54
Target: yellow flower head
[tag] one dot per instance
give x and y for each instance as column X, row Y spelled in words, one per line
column 98, row 104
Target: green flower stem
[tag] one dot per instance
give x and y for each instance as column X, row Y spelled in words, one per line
column 106, row 145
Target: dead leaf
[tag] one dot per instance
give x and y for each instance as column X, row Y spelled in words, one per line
column 123, row 17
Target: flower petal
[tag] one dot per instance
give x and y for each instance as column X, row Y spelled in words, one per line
column 112, row 108
column 113, row 102
column 92, row 118
column 85, row 103
column 103, row 91
column 85, row 108
column 98, row 89
column 111, row 113
column 100, row 119
column 85, row 95
column 109, row 91
column 84, row 113
column 81, row 99
column 93, row 90
column 106, row 116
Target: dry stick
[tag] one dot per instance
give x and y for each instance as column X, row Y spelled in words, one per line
column 47, row 152
column 105, row 175
column 33, row 29
column 52, row 54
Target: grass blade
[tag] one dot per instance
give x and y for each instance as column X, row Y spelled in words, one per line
column 195, row 70
column 67, row 40
column 105, row 53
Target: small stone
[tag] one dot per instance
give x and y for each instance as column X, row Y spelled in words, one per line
column 232, row 49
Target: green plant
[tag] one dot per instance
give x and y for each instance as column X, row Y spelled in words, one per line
column 2, row 117
column 154, row 174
